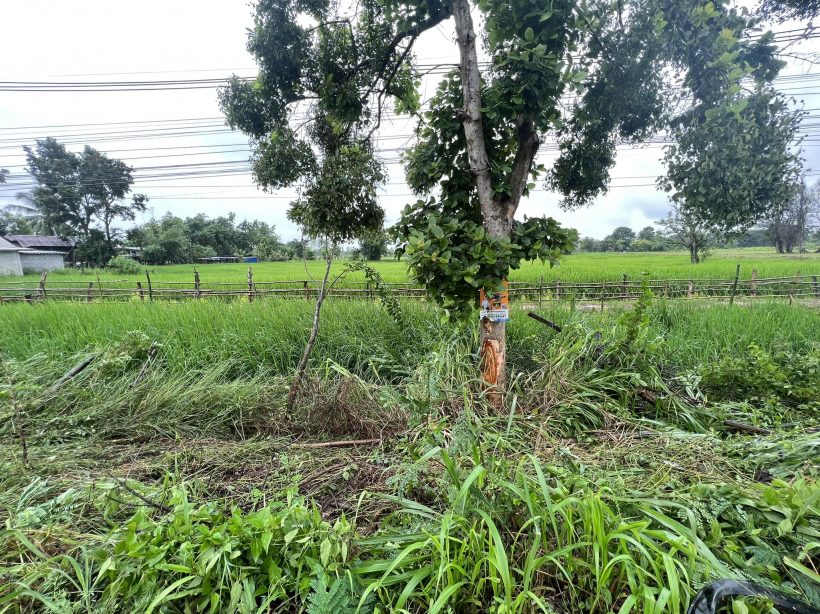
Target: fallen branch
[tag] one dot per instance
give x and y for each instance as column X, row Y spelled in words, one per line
column 74, row 372
column 141, row 497
column 337, row 444
column 746, row 428
column 152, row 352
column 545, row 322
column 18, row 424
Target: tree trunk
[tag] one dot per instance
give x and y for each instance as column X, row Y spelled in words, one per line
column 693, row 254
column 314, row 332
column 497, row 217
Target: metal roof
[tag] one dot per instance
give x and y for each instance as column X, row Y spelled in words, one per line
column 35, row 241
column 5, row 246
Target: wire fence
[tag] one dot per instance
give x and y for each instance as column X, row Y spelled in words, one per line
column 531, row 292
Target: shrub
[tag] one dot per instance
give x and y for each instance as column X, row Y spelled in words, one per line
column 125, row 265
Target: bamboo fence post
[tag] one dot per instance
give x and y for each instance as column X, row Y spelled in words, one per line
column 251, row 287
column 814, row 285
column 140, row 292
column 197, row 290
column 90, row 296
column 734, row 286
column 666, row 289
column 557, row 289
column 603, row 291
column 690, row 292
column 150, row 289
column 754, row 282
column 623, row 288
column 541, row 290
column 796, row 283
column 41, row 288
column 99, row 285
column 307, row 290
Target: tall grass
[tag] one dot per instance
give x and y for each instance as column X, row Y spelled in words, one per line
column 267, row 337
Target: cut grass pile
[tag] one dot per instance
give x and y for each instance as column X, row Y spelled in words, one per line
column 581, row 267
column 168, row 476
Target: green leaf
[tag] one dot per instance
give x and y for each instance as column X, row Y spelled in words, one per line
column 529, row 35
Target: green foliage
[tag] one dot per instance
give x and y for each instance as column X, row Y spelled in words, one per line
column 453, row 258
column 75, row 190
column 733, row 186
column 124, row 265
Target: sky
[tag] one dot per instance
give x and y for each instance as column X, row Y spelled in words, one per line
column 187, row 161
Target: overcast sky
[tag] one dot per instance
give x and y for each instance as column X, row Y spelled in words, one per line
column 152, row 40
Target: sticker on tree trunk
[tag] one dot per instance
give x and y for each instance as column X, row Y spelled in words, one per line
column 495, row 307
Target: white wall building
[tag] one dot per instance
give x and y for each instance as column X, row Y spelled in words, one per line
column 10, row 263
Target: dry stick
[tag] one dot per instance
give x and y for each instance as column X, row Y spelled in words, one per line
column 337, row 444
column 152, row 352
column 73, row 372
column 314, row 332
column 18, row 423
column 251, row 290
column 545, row 322
column 150, row 289
column 690, row 292
column 141, row 497
column 734, row 286
column 603, row 290
column 140, row 291
column 746, row 428
column 197, row 291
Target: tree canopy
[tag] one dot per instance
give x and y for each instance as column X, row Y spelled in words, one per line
column 75, row 192
column 590, row 75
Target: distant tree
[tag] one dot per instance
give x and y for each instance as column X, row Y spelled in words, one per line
column 647, row 233
column 3, row 174
column 11, row 224
column 373, row 245
column 642, row 245
column 754, row 237
column 685, row 230
column 75, row 190
column 589, row 244
column 300, row 249
column 789, row 225
column 620, row 239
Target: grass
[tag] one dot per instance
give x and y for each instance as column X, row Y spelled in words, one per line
column 169, row 477
column 580, row 267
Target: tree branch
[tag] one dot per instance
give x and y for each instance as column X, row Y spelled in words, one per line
column 528, row 143
column 471, row 117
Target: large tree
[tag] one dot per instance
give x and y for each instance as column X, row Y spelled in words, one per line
column 684, row 229
column 787, row 226
column 75, row 191
column 590, row 74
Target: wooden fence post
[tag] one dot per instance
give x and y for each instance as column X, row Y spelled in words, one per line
column 150, row 289
column 814, row 285
column 796, row 283
column 140, row 293
column 623, row 288
column 690, row 292
column 540, row 290
column 666, row 289
column 90, row 296
column 307, row 290
column 603, row 291
column 557, row 289
column 734, row 286
column 251, row 287
column 41, row 288
column 197, row 291
column 754, row 282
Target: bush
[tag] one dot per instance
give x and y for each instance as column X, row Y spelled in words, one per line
column 125, row 265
